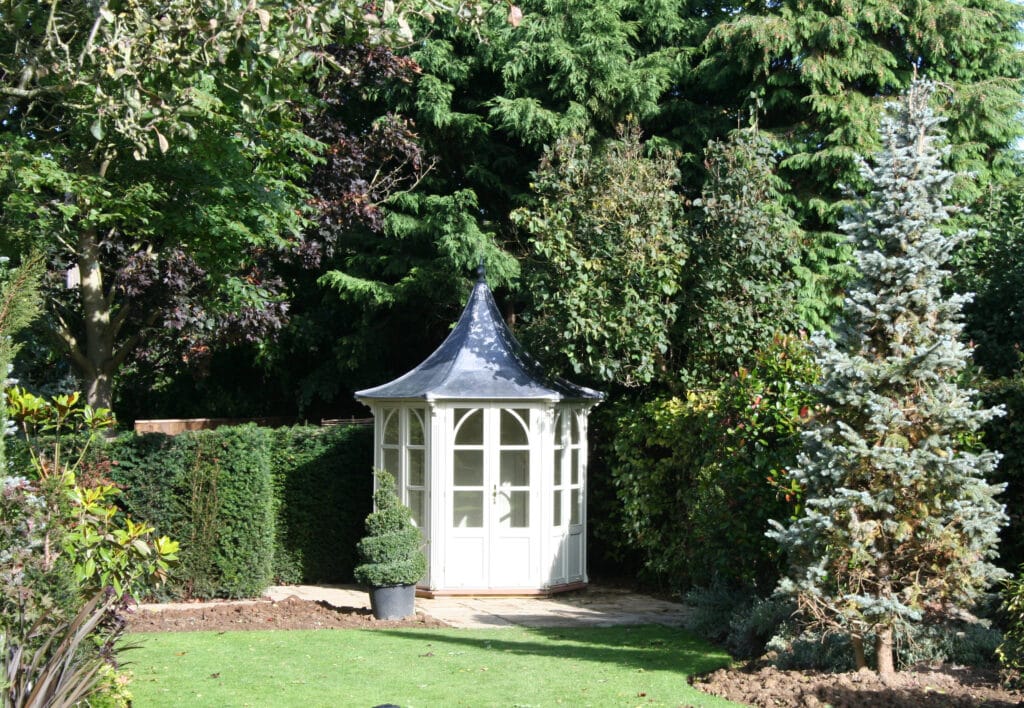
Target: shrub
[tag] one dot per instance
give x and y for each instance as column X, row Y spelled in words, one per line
column 1006, row 434
column 1011, row 651
column 322, row 494
column 969, row 642
column 698, row 478
column 67, row 562
column 743, row 624
column 224, row 502
column 390, row 551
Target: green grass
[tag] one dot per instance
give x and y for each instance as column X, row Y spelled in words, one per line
column 613, row 666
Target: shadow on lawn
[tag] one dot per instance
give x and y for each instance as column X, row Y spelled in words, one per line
column 650, row 648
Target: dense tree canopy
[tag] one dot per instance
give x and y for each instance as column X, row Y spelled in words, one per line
column 156, row 153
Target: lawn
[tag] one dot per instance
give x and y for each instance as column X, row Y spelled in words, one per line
column 612, row 666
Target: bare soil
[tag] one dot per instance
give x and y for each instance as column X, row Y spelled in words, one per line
column 755, row 684
column 937, row 687
column 290, row 613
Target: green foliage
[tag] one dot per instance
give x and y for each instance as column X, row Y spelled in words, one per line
column 608, row 259
column 742, row 623
column 823, row 70
column 69, row 562
column 991, row 267
column 111, row 119
column 20, row 303
column 390, row 551
column 213, row 491
column 899, row 523
column 250, row 504
column 101, row 549
column 61, row 664
column 322, row 495
column 699, row 478
column 225, row 500
column 1006, row 434
column 739, row 288
column 1011, row 651
column 818, row 73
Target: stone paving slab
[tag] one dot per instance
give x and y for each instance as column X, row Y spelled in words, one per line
column 596, row 606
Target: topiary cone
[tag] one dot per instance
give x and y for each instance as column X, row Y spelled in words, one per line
column 390, row 551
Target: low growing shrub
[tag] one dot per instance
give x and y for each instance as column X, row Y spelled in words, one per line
column 1011, row 652
column 969, row 642
column 742, row 623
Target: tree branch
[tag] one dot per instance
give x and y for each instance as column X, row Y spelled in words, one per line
column 70, row 344
column 87, row 47
column 125, row 349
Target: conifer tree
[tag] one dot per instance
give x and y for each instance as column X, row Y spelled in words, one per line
column 739, row 287
column 899, row 523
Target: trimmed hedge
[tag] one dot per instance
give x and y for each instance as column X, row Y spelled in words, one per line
column 211, row 491
column 249, row 505
column 323, row 486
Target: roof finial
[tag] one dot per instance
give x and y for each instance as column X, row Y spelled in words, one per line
column 481, row 272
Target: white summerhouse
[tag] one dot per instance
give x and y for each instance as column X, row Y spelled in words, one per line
column 490, row 454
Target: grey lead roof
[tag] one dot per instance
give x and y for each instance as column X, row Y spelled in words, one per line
column 480, row 359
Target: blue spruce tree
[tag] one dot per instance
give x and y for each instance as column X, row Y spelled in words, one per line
column 899, row 524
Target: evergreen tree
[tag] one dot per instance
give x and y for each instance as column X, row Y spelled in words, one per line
column 608, row 259
column 740, row 286
column 821, row 71
column 824, row 68
column 899, row 523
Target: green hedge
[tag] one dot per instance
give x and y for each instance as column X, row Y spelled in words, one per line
column 323, row 487
column 249, row 505
column 212, row 492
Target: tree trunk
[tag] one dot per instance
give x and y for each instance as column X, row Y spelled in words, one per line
column 857, row 640
column 884, row 651
column 99, row 348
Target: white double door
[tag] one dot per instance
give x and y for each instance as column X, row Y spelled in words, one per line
column 492, row 535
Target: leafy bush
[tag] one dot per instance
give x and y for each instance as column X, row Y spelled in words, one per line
column 225, row 502
column 390, row 551
column 967, row 642
column 212, row 490
column 1006, row 434
column 698, row 478
column 68, row 561
column 322, row 494
column 1011, row 652
column 743, row 624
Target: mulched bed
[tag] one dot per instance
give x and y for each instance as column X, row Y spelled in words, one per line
column 290, row 613
column 942, row 687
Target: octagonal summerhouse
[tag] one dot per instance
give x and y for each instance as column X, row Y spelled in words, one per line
column 490, row 454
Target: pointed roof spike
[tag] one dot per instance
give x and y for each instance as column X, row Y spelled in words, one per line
column 481, row 272
column 480, row 359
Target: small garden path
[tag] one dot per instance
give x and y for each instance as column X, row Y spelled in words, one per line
column 596, row 607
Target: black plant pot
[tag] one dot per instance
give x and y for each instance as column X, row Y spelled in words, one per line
column 393, row 602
